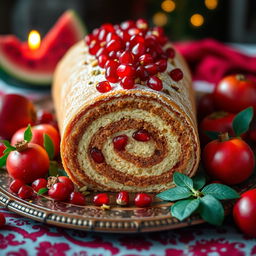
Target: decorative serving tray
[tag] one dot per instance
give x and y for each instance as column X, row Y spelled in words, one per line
column 93, row 218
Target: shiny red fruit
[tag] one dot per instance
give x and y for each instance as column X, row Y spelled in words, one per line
column 89, row 38
column 97, row 155
column 127, row 24
column 38, row 132
column 229, row 160
column 235, row 93
column 101, row 199
column 176, row 74
column 39, row 183
column 102, row 59
column 127, row 83
column 142, row 73
column 161, row 65
column 142, row 24
column 141, row 135
column 2, row 220
column 111, row 74
column 94, row 47
column 114, row 45
column 59, row 191
column 151, row 69
column 16, row 185
column 25, row 192
column 120, row 142
column 77, row 198
column 170, row 53
column 205, row 106
column 155, row 83
column 68, row 182
column 103, row 87
column 142, row 200
column 138, row 49
column 16, row 112
column 122, row 198
column 244, row 213
column 146, row 59
column 125, row 71
column 126, row 58
column 135, row 39
column 44, row 117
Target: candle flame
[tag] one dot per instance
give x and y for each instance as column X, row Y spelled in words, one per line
column 34, row 40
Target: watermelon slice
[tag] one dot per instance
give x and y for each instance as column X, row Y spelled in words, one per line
column 37, row 67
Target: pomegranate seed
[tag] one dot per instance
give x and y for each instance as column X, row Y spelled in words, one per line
column 101, row 51
column 161, row 65
column 124, row 36
column 138, row 49
column 127, row 24
column 153, row 53
column 108, row 27
column 122, row 198
column 111, row 36
column 120, row 142
column 94, row 47
column 96, row 32
column 141, row 135
column 151, row 69
column 44, row 117
column 101, row 199
column 127, row 83
column 39, row 183
column 136, row 39
column 111, row 63
column 112, row 55
column 142, row 24
column 118, row 54
column 142, row 200
column 114, row 45
column 89, row 38
column 125, row 71
column 170, row 53
column 158, row 30
column 150, row 41
column 59, row 191
column 133, row 31
column 103, row 87
column 97, row 155
column 142, row 73
column 16, row 185
column 25, row 192
column 126, row 58
column 176, row 74
column 145, row 59
column 77, row 198
column 68, row 182
column 155, row 83
column 2, row 220
column 111, row 74
column 102, row 35
column 102, row 60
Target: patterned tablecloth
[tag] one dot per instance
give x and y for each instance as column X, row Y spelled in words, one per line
column 25, row 237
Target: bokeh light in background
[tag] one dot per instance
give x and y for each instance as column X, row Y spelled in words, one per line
column 160, row 19
column 211, row 4
column 197, row 20
column 168, row 5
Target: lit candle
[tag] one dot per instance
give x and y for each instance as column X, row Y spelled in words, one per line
column 34, row 40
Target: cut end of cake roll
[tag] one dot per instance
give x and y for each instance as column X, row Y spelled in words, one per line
column 132, row 140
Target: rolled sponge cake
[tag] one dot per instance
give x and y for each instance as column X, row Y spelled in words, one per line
column 91, row 120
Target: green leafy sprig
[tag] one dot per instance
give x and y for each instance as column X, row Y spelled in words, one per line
column 192, row 195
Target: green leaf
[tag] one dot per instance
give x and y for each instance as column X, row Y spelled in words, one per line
column 48, row 145
column 7, row 144
column 212, row 135
column 184, row 208
column 53, row 169
column 242, row 121
column 28, row 134
column 174, row 194
column 182, row 180
column 3, row 160
column 198, row 181
column 8, row 150
column 211, row 210
column 220, row 191
column 42, row 191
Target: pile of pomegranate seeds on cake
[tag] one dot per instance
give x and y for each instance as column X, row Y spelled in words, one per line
column 131, row 53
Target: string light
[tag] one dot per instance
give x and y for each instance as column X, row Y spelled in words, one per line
column 160, row 19
column 211, row 4
column 168, row 5
column 197, row 20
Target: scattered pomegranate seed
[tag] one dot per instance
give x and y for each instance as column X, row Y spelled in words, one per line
column 59, row 191
column 44, row 117
column 125, row 70
column 122, row 198
column 39, row 183
column 68, row 182
column 111, row 74
column 127, row 83
column 146, row 59
column 176, row 74
column 138, row 49
column 170, row 53
column 25, row 192
column 16, row 185
column 161, row 65
column 2, row 149
column 155, row 83
column 104, row 86
column 101, row 199
column 2, row 220
column 141, row 135
column 77, row 198
column 142, row 73
column 126, row 58
column 120, row 142
column 151, row 69
column 97, row 155
column 142, row 200
column 102, row 60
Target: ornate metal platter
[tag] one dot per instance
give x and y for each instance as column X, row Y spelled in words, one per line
column 93, row 218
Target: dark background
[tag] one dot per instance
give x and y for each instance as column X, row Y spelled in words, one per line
column 225, row 20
